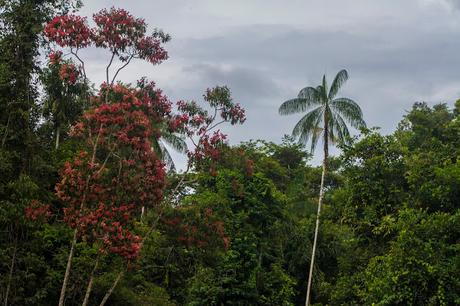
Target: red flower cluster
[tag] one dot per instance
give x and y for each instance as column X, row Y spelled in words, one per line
column 196, row 122
column 209, row 147
column 234, row 114
column 125, row 36
column 106, row 185
column 149, row 48
column 69, row 73
column 55, row 57
column 116, row 30
column 69, row 31
column 178, row 123
column 36, row 211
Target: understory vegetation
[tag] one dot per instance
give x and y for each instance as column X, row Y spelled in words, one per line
column 92, row 211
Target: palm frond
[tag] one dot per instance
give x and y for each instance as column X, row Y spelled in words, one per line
column 167, row 158
column 156, row 147
column 316, row 130
column 175, row 141
column 337, row 112
column 314, row 139
column 292, row 106
column 339, row 80
column 324, row 86
column 330, row 126
column 309, row 93
column 340, row 129
column 307, row 124
column 350, row 111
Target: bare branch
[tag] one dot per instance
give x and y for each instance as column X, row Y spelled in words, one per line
column 108, row 66
column 119, row 69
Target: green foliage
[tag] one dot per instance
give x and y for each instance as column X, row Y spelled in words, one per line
column 419, row 267
column 240, row 235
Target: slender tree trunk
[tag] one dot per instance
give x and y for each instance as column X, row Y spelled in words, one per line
column 74, row 240
column 58, row 134
column 10, row 274
column 90, row 283
column 67, row 270
column 320, row 202
column 109, row 292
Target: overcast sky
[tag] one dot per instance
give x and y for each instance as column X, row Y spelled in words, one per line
column 396, row 52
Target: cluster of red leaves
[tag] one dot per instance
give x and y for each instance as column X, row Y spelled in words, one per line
column 209, row 147
column 115, row 29
column 202, row 231
column 220, row 98
column 234, row 114
column 68, row 73
column 106, row 186
column 55, row 57
column 38, row 211
column 69, row 31
column 67, row 70
column 198, row 123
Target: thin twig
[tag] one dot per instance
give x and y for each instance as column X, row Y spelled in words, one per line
column 119, row 69
column 81, row 62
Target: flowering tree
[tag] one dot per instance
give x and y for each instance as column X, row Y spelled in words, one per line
column 117, row 174
column 65, row 93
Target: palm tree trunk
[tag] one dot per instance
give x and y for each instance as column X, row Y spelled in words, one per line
column 320, row 202
column 67, row 270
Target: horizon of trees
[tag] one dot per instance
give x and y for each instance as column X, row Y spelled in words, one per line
column 89, row 215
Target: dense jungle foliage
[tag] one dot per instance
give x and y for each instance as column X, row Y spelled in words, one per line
column 237, row 228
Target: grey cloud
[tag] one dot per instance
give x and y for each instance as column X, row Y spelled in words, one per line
column 250, row 83
column 388, row 71
column 397, row 52
column 455, row 3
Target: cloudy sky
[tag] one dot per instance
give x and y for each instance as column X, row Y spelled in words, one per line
column 396, row 52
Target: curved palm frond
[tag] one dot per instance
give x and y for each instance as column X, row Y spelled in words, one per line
column 309, row 93
column 307, row 97
column 311, row 128
column 316, row 133
column 156, row 147
column 339, row 80
column 166, row 157
column 175, row 141
column 331, row 135
column 341, row 133
column 307, row 123
column 350, row 110
column 324, row 88
column 292, row 106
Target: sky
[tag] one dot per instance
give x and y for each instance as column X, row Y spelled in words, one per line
column 396, row 53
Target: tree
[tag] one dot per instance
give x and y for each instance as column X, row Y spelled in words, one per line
column 65, row 94
column 117, row 172
column 327, row 119
column 23, row 161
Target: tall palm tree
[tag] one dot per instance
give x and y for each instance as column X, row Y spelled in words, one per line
column 326, row 118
